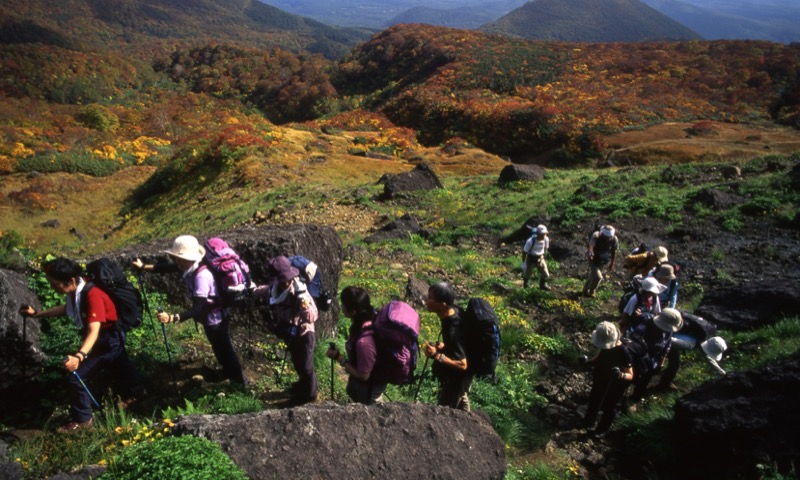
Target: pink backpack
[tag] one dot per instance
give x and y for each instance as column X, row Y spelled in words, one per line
column 231, row 273
column 396, row 330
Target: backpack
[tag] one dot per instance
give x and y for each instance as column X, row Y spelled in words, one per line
column 231, row 273
column 481, row 328
column 631, row 289
column 322, row 298
column 396, row 330
column 107, row 275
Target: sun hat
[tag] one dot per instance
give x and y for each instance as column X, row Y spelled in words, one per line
column 661, row 254
column 186, row 247
column 650, row 284
column 607, row 230
column 541, row 229
column 281, row 270
column 605, row 336
column 665, row 271
column 669, row 320
column 714, row 348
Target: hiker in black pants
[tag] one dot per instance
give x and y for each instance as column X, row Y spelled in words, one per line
column 601, row 251
column 363, row 386
column 656, row 334
column 449, row 355
column 612, row 372
column 695, row 331
column 103, row 345
column 187, row 255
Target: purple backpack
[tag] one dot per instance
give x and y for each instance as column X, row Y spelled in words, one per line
column 396, row 329
column 231, row 273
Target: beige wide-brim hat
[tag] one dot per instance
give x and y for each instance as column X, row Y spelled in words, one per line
column 186, row 247
column 661, row 254
column 666, row 272
column 605, row 336
column 669, row 320
column 714, row 347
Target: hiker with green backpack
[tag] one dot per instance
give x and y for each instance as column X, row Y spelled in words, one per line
column 103, row 340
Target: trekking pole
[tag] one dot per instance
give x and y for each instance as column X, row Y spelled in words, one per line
column 88, row 392
column 421, row 377
column 169, row 353
column 146, row 303
column 332, row 345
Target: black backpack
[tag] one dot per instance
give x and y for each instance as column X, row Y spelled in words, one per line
column 108, row 276
column 481, row 328
column 631, row 289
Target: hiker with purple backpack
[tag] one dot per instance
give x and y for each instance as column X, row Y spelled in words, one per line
column 449, row 355
column 361, row 353
column 207, row 306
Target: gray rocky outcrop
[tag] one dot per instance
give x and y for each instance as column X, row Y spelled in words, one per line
column 19, row 337
column 422, row 177
column 390, row 440
column 750, row 305
column 256, row 245
column 399, row 229
column 717, row 199
column 729, row 425
column 515, row 173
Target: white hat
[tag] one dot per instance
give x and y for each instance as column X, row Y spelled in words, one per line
column 186, row 247
column 714, row 347
column 605, row 336
column 669, row 320
column 541, row 229
column 650, row 284
column 661, row 254
column 607, row 230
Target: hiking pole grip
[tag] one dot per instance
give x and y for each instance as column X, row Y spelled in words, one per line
column 88, row 392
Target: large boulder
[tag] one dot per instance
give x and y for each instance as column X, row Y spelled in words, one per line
column 422, row 177
column 725, row 427
column 516, row 173
column 399, row 229
column 256, row 245
column 390, row 440
column 19, row 337
column 750, row 305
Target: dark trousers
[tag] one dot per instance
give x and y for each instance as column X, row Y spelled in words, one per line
column 301, row 348
column 220, row 339
column 453, row 391
column 108, row 353
column 605, row 395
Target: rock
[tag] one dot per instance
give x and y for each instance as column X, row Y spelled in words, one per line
column 19, row 337
column 421, row 178
column 77, row 233
column 398, row 229
column 716, row 199
column 256, row 245
column 750, row 305
column 54, row 223
column 416, row 291
column 731, row 172
column 389, row 440
column 729, row 425
column 516, row 173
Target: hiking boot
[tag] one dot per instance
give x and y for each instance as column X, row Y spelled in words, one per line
column 296, row 401
column 212, row 375
column 73, row 426
column 543, row 285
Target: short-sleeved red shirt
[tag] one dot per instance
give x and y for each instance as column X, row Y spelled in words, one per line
column 100, row 308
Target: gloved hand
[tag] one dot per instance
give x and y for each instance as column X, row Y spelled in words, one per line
column 617, row 373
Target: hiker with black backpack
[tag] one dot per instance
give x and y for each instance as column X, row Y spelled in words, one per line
column 533, row 257
column 103, row 345
column 450, row 354
column 641, row 305
column 293, row 314
column 655, row 333
column 207, row 309
column 601, row 252
column 361, row 351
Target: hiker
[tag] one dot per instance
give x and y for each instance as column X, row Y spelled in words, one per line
column 361, row 353
column 293, row 314
column 602, row 251
column 695, row 331
column 612, row 372
column 665, row 274
column 642, row 305
column 187, row 256
column 656, row 334
column 643, row 263
column 103, row 344
column 533, row 257
column 449, row 355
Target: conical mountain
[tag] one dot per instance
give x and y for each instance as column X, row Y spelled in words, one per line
column 590, row 21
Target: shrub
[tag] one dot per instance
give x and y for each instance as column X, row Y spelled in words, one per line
column 98, row 117
column 184, row 457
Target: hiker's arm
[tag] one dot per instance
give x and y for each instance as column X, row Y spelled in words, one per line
column 460, row 365
column 162, row 267
column 73, row 361
column 199, row 311
column 29, row 311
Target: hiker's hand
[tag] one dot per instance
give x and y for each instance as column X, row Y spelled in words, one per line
column 27, row 311
column 138, row 264
column 430, row 350
column 72, row 363
column 164, row 317
column 617, row 373
column 332, row 353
